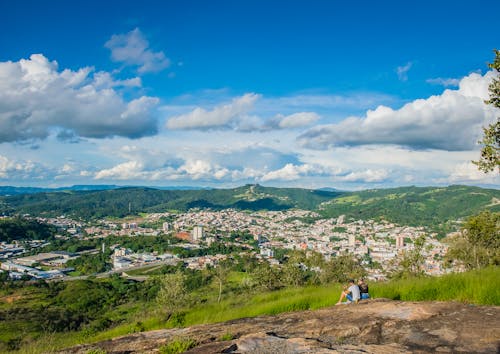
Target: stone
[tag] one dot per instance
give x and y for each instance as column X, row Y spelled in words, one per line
column 373, row 326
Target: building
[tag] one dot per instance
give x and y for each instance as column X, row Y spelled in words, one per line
column 197, row 233
column 165, row 226
column 352, row 240
column 400, row 241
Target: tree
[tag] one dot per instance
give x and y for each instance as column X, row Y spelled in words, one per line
column 341, row 268
column 173, row 294
column 412, row 261
column 267, row 277
column 292, row 272
column 478, row 243
column 221, row 273
column 490, row 152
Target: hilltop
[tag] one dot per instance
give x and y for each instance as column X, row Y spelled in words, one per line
column 414, row 206
column 374, row 326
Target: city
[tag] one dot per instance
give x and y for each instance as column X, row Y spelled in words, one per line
column 377, row 245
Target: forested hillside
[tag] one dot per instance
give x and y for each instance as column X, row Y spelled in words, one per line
column 414, row 206
column 132, row 200
column 426, row 206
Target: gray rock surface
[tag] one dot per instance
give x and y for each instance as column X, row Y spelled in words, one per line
column 374, row 326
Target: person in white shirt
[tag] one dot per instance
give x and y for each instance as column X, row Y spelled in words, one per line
column 350, row 293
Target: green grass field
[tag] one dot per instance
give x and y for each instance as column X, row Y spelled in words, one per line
column 481, row 287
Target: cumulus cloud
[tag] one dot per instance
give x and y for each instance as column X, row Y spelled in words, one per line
column 402, row 71
column 36, row 98
column 220, row 116
column 467, row 172
column 295, row 120
column 451, row 121
column 289, row 172
column 236, row 115
column 133, row 49
column 19, row 169
column 369, row 176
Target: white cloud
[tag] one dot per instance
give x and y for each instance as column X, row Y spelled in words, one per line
column 235, row 115
column 402, row 71
column 288, row 173
column 296, row 120
column 36, row 98
column 467, row 172
column 446, row 82
column 133, row 49
column 123, row 171
column 368, row 175
column 450, row 121
column 20, row 170
column 220, row 116
column 104, row 79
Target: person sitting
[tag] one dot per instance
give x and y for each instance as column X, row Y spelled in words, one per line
column 363, row 289
column 350, row 293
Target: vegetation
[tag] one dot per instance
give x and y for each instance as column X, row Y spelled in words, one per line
column 23, row 229
column 438, row 208
column 55, row 315
column 179, row 345
column 490, row 151
column 415, row 206
column 478, row 243
column 410, row 265
column 116, row 202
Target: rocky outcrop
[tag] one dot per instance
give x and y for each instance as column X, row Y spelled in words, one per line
column 375, row 326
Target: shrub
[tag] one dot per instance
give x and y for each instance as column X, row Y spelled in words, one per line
column 179, row 345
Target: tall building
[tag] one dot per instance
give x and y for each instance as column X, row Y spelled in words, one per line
column 166, row 226
column 352, row 240
column 400, row 241
column 197, row 233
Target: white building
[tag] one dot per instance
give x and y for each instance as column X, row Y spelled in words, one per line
column 400, row 241
column 352, row 240
column 197, row 233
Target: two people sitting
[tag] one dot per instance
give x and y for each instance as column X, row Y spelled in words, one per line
column 354, row 292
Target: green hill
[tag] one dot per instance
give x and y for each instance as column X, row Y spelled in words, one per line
column 116, row 202
column 416, row 206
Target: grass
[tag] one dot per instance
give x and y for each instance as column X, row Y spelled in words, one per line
column 481, row 287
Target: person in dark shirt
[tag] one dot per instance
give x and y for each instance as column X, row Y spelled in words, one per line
column 363, row 289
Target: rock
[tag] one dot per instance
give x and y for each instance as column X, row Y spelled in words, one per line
column 374, row 326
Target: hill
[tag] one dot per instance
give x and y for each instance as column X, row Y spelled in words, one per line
column 414, row 206
column 116, row 202
column 374, row 326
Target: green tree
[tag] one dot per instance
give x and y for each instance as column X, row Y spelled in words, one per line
column 490, row 152
column 341, row 268
column 221, row 273
column 173, row 294
column 412, row 261
column 267, row 277
column 292, row 271
column 478, row 244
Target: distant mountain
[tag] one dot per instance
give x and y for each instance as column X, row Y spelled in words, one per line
column 11, row 190
column 416, row 206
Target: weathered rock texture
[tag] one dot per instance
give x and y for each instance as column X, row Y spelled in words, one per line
column 376, row 326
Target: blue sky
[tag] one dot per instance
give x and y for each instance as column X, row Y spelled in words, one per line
column 289, row 93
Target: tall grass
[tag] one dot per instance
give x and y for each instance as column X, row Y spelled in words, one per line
column 481, row 287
